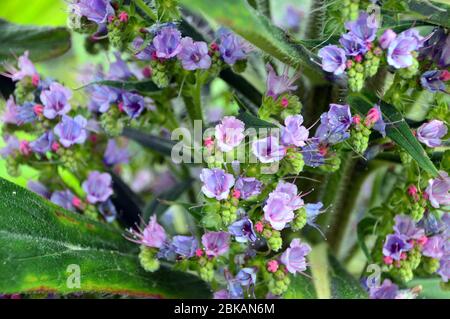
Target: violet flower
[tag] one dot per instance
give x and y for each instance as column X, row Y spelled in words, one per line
column 247, row 187
column 406, row 227
column 246, row 277
column 216, row 243
column 232, row 47
column 243, row 230
column 71, row 130
column 167, row 43
column 56, row 100
column 434, row 247
column 25, row 69
column 364, row 28
column 294, row 257
column 143, row 53
column 98, row 187
column 153, row 234
column 63, row 199
column 12, row 146
column 395, row 246
column 400, row 50
column 438, row 190
column 334, row 125
column 268, row 150
column 229, row 133
column 434, row 80
column 119, row 70
column 102, row 97
column 194, row 55
column 114, row 154
column 294, row 133
column 444, row 267
column 185, row 245
column 216, row 183
column 96, row 11
column 279, row 84
column 26, row 114
column 379, row 124
column 277, row 212
column 108, row 211
column 386, row 38
column 43, row 144
column 352, row 45
column 292, row 18
column 38, row 188
column 294, row 201
column 431, row 133
column 333, row 59
column 312, row 156
column 133, row 104
column 10, row 114
column 387, row 290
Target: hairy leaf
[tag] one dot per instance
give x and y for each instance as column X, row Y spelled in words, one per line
column 431, row 12
column 42, row 245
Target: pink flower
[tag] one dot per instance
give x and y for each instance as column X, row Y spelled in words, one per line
column 229, row 133
column 277, row 212
column 216, row 243
column 294, row 258
column 438, row 190
column 294, row 133
column 268, row 150
column 153, row 234
column 216, row 183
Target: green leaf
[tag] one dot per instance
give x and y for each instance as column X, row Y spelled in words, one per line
column 431, row 288
column 343, row 285
column 39, row 240
column 153, row 142
column 42, row 42
column 159, row 204
column 253, row 26
column 431, row 12
column 397, row 129
column 365, row 227
column 253, row 121
column 145, row 86
column 301, row 287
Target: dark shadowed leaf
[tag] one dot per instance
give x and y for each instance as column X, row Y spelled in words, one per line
column 153, row 142
column 397, row 129
column 145, row 86
column 365, row 228
column 42, row 42
column 431, row 12
column 41, row 245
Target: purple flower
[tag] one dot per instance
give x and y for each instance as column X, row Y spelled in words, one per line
column 380, row 125
column 294, row 133
column 277, row 212
column 63, row 199
column 43, row 144
column 313, row 210
column 115, row 155
column 444, row 267
column 431, row 133
column 268, row 150
column 364, row 28
column 294, row 257
column 294, row 200
column 437, row 48
column 26, row 69
column 194, row 55
column 71, row 130
column 232, row 47
column 242, row 230
column 167, row 43
column 10, row 114
column 56, row 100
column 333, row 59
column 312, row 155
column 292, row 18
column 38, row 188
column 119, row 70
column 216, row 183
column 353, row 45
column 386, row 38
column 400, row 50
column 413, row 33
column 153, row 234
column 277, row 85
column 185, row 245
column 12, row 146
column 246, row 276
column 216, row 243
column 108, row 211
column 434, row 247
column 248, row 187
column 102, row 97
column 26, row 114
column 229, row 133
column 433, row 80
column 221, row 294
column 387, row 290
column 438, row 190
column 334, row 125
column 133, row 104
column 94, row 10
column 98, row 187
column 406, row 227
column 394, row 246
column 143, row 53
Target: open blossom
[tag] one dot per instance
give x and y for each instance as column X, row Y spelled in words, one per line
column 294, row 257
column 114, row 154
column 9, row 116
column 56, row 100
column 229, row 133
column 71, row 130
column 96, row 11
column 102, row 97
column 395, row 246
column 153, row 234
column 294, row 133
column 194, row 55
column 26, row 114
column 352, row 45
column 119, row 70
column 25, row 69
column 436, row 48
column 12, row 146
column 216, row 183
column 400, row 50
column 333, row 59
column 246, row 276
column 292, row 18
column 232, row 47
column 64, row 199
column 407, row 228
column 268, row 150
column 43, row 144
column 334, row 124
column 438, row 190
column 242, row 230
column 387, row 290
column 279, row 84
column 216, row 243
column 434, row 247
column 294, row 201
column 98, row 187
column 133, row 104
column 312, row 156
column 185, row 245
column 247, row 187
column 364, row 28
column 277, row 210
column 431, row 133
column 386, row 38
column 434, row 80
column 38, row 188
column 167, row 43
column 141, row 52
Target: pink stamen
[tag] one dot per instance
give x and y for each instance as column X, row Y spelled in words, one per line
column 272, row 266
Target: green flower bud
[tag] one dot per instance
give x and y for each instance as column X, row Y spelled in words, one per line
column 409, row 72
column 111, row 122
column 417, row 211
column 240, row 66
column 274, row 241
column 300, row 219
column 292, row 164
column 206, row 271
column 148, row 259
column 12, row 166
column 160, row 75
column 430, row 265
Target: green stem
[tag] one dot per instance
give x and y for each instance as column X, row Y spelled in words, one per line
column 144, row 7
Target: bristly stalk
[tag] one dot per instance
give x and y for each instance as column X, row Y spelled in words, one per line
column 316, row 21
column 262, row 6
